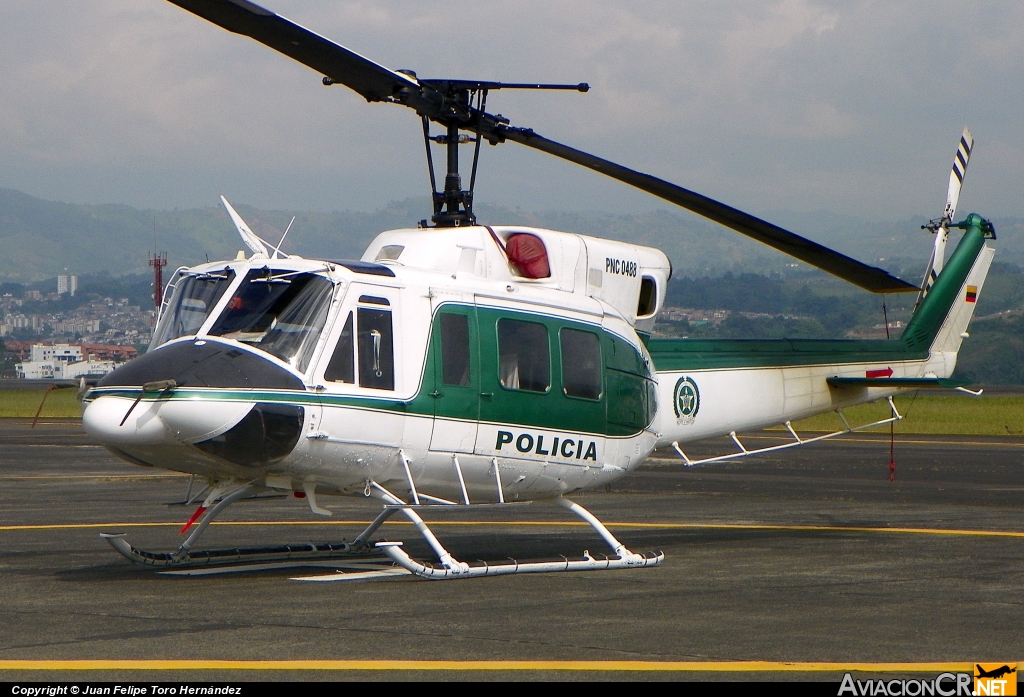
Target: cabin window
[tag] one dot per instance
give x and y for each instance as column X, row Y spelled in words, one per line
column 455, row 368
column 581, row 364
column 193, row 298
column 280, row 312
column 342, row 367
column 376, row 344
column 648, row 297
column 524, row 362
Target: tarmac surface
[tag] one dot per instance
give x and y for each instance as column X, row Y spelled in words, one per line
column 808, row 556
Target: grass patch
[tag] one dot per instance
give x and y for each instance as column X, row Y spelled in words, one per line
column 1000, row 415
column 60, row 403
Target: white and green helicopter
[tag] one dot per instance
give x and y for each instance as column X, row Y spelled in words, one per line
column 460, row 365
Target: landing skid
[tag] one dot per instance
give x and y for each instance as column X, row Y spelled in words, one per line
column 361, row 559
column 451, row 568
column 265, row 557
column 283, row 556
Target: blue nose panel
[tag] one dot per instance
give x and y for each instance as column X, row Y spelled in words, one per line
column 206, row 364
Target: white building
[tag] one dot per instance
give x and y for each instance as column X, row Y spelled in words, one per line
column 67, row 284
column 65, row 353
column 60, row 362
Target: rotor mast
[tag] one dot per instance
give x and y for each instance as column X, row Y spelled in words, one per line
column 463, row 106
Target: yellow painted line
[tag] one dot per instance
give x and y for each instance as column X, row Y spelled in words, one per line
column 92, row 476
column 546, row 524
column 583, row 666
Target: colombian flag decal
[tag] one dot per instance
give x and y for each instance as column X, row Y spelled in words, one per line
column 972, row 294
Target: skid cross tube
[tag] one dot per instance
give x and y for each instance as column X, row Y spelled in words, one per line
column 446, row 559
column 744, row 452
column 451, row 568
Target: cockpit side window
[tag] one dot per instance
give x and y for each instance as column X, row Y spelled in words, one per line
column 365, row 352
column 193, row 298
column 376, row 342
column 280, row 313
column 342, row 367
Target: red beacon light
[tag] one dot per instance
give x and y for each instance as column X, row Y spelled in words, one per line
column 528, row 254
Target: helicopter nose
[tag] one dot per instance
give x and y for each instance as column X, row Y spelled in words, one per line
column 121, row 421
column 143, row 404
column 107, row 419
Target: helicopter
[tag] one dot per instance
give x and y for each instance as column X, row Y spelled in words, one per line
column 458, row 364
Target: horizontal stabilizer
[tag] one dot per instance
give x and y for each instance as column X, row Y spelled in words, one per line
column 915, row 383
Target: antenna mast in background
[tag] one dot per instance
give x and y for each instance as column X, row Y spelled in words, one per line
column 158, row 262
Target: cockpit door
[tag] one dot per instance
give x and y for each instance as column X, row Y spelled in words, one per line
column 455, row 351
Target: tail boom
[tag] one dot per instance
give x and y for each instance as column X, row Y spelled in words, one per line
column 709, row 388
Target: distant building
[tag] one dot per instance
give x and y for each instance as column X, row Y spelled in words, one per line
column 19, row 321
column 67, row 361
column 67, row 284
column 110, row 353
column 77, row 326
column 65, row 353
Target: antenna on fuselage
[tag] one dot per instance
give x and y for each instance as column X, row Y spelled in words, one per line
column 248, row 236
column 277, row 249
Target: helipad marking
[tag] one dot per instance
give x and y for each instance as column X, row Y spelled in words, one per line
column 402, row 665
column 547, row 523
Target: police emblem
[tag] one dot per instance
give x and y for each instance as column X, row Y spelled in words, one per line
column 686, row 400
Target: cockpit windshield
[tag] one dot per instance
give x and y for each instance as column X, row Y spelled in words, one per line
column 280, row 312
column 192, row 299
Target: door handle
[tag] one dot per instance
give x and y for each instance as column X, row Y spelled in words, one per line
column 486, row 394
column 435, row 394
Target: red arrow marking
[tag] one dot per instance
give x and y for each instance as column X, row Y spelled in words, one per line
column 887, row 373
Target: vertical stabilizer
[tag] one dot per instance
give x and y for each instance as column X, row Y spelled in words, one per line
column 940, row 321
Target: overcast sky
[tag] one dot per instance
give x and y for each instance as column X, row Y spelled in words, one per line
column 847, row 106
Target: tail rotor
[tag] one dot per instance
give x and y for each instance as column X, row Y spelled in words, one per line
column 940, row 227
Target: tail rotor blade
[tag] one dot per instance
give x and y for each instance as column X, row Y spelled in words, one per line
column 956, row 176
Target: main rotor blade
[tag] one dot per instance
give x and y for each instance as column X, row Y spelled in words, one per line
column 869, row 277
column 374, row 82
column 377, row 83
